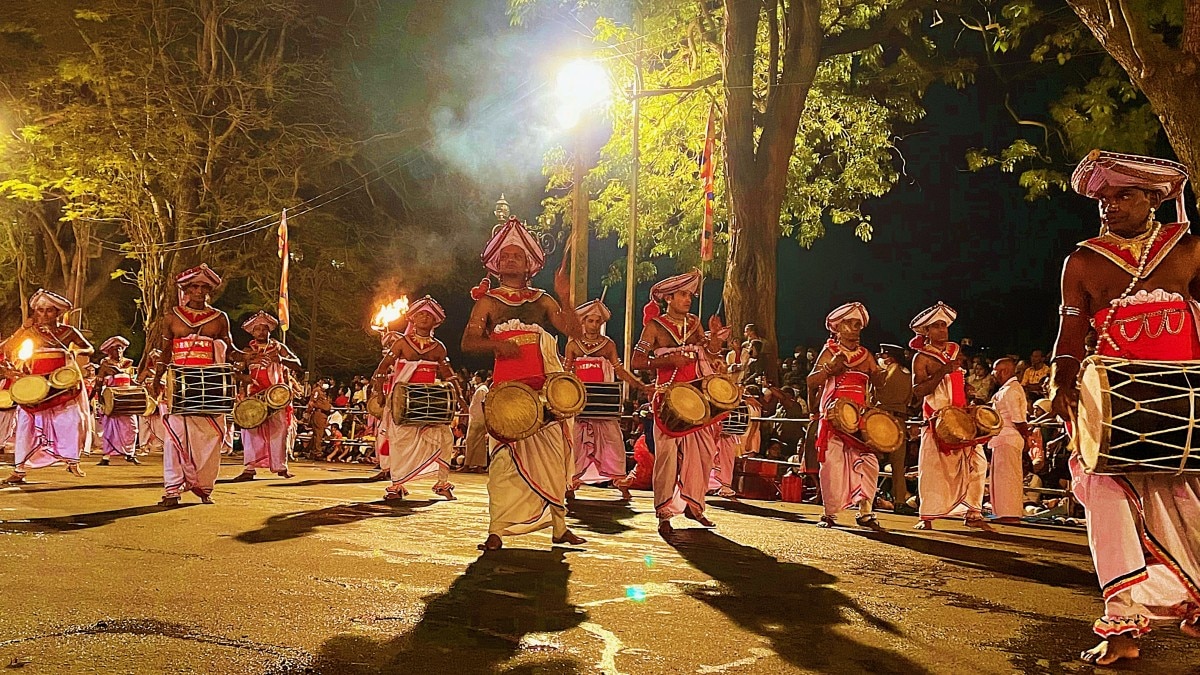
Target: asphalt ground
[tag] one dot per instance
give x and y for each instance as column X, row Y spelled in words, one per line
column 318, row 574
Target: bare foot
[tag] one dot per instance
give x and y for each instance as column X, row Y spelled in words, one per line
column 1190, row 628
column 924, row 525
column 1112, row 650
column 664, row 529
column 869, row 521
column 698, row 517
column 569, row 537
column 826, row 522
column 625, row 493
column 492, row 543
column 978, row 523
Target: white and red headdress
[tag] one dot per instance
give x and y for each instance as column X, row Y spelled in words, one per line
column 1101, row 169
column 112, row 342
column 939, row 312
column 430, row 307
column 202, row 273
column 850, row 310
column 513, row 233
column 260, row 318
column 688, row 281
column 44, row 298
column 593, row 307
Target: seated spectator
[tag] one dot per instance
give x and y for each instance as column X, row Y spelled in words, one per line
column 980, row 383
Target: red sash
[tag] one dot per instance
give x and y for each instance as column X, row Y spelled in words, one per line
column 1151, row 331
column 527, row 366
column 425, row 373
column 589, row 368
column 120, row 379
column 193, row 350
column 46, row 361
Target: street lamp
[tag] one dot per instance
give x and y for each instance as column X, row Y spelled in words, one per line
column 582, row 86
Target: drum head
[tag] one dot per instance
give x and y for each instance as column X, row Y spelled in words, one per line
column 107, row 399
column 844, row 415
column 954, row 425
column 151, row 405
column 987, row 420
column 722, row 392
column 64, row 378
column 30, row 389
column 250, row 413
column 512, row 411
column 278, row 396
column 882, row 432
column 377, row 405
column 168, row 389
column 687, row 404
column 565, row 395
column 6, row 399
column 1091, row 430
column 399, row 402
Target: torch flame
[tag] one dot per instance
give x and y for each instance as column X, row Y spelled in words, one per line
column 390, row 313
column 26, row 351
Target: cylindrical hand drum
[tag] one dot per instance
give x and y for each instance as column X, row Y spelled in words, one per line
column 64, row 378
column 512, row 411
column 250, row 412
column 6, row 400
column 722, row 392
column 603, row 400
column 738, row 421
column 122, row 401
column 682, row 407
column 987, row 420
column 200, row 390
column 881, row 431
column 30, row 389
column 1137, row 416
column 277, row 396
column 432, row 403
column 377, row 405
column 844, row 414
column 563, row 395
column 954, row 425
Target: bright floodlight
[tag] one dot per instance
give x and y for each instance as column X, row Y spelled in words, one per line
column 582, row 84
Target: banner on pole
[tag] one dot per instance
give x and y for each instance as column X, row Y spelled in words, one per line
column 283, row 309
column 706, row 178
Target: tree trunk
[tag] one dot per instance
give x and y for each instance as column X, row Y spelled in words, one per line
column 751, row 274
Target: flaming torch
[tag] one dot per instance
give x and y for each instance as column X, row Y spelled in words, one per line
column 390, row 313
column 24, row 353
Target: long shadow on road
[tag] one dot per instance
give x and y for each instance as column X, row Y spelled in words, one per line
column 753, row 510
column 795, row 606
column 601, row 517
column 82, row 521
column 479, row 623
column 301, row 523
column 92, row 486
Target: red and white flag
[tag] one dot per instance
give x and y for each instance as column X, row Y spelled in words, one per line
column 706, row 178
column 283, row 310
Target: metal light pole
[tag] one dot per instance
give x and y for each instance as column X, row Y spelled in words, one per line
column 631, row 247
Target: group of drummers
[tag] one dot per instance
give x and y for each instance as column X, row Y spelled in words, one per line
column 553, row 417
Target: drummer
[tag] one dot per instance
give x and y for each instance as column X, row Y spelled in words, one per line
column 1137, row 272
column 266, row 446
column 949, row 480
column 675, row 347
column 527, row 479
column 151, row 432
column 53, row 430
column 195, row 334
column 379, row 425
column 118, row 433
column 599, row 445
column 416, row 357
column 849, row 471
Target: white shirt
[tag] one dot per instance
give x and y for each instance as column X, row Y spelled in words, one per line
column 476, row 409
column 1013, row 407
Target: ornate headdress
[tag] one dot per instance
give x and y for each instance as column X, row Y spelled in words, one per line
column 849, row 310
column 44, row 298
column 1101, row 169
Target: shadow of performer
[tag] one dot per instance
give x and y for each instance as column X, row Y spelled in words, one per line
column 82, row 521
column 794, row 606
column 476, row 625
column 300, row 523
column 601, row 516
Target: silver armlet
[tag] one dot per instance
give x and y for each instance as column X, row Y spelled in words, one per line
column 1067, row 310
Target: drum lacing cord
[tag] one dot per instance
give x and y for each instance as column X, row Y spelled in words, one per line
column 1137, row 276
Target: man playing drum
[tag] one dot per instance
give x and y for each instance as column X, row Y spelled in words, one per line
column 599, row 445
column 151, row 431
column 417, row 358
column 844, row 369
column 54, row 429
column 1137, row 284
column 266, row 445
column 527, row 479
column 674, row 346
column 377, row 399
column 118, row 432
column 949, row 479
column 1007, row 474
column 195, row 334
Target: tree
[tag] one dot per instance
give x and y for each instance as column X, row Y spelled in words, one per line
column 809, row 95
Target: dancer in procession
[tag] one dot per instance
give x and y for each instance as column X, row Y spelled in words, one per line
column 152, row 433
column 1136, row 284
column 599, row 446
column 53, row 430
column 195, row 334
column 527, row 479
column 380, row 388
column 416, row 357
column 267, row 362
column 950, row 481
column 849, row 472
column 1007, row 473
column 118, row 433
column 675, row 348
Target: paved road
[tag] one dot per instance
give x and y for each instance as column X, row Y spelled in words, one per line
column 317, row 574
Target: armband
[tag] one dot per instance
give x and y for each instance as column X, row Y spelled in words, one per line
column 1067, row 310
column 642, row 346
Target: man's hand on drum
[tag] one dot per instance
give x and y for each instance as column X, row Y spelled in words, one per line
column 1065, row 401
column 676, row 360
column 838, row 365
